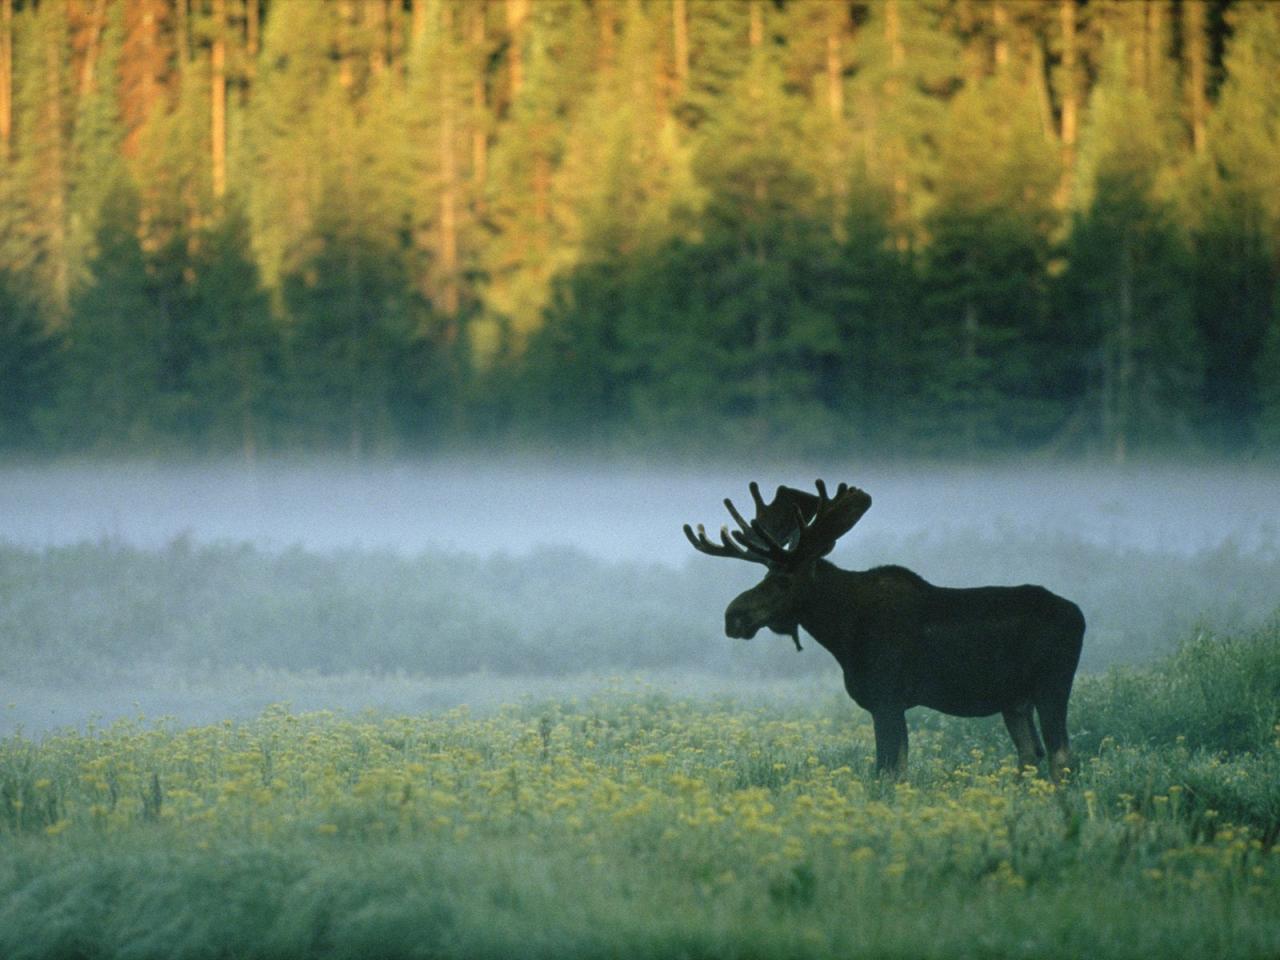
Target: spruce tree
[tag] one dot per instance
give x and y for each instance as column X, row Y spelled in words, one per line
column 1128, row 287
column 991, row 226
column 37, row 247
column 29, row 367
column 236, row 356
column 110, row 390
column 1236, row 232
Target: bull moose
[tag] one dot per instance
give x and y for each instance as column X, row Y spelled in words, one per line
column 902, row 641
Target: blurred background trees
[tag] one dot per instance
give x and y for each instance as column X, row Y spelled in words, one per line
column 930, row 228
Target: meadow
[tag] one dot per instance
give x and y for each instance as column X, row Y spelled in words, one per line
column 634, row 823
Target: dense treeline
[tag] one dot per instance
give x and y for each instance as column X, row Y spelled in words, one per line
column 944, row 227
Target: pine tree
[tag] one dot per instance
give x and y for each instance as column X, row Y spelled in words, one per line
column 531, row 214
column 991, row 230
column 1236, row 232
column 37, row 246
column 439, row 109
column 110, row 392
column 96, row 158
column 29, row 368
column 907, row 67
column 873, row 384
column 757, row 324
column 1128, row 286
column 236, row 352
column 286, row 134
column 627, row 164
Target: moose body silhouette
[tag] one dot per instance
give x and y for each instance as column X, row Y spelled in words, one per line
column 900, row 640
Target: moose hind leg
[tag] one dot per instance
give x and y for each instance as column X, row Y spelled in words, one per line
column 1051, row 705
column 891, row 743
column 1022, row 729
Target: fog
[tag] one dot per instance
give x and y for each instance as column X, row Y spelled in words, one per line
column 625, row 511
column 204, row 591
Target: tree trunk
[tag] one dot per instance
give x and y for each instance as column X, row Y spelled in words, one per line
column 142, row 63
column 252, row 27
column 218, row 100
column 1070, row 95
column 971, row 381
column 1124, row 352
column 417, row 21
column 835, row 71
column 764, row 320
column 6, row 78
column 1157, row 43
column 608, row 33
column 479, row 104
column 88, row 68
column 517, row 13
column 377, row 11
column 346, row 59
column 835, row 110
column 1000, row 25
column 252, row 32
column 248, row 427
column 448, row 176
column 896, row 148
column 182, row 32
column 1041, row 82
column 1193, row 44
column 59, row 276
column 680, row 43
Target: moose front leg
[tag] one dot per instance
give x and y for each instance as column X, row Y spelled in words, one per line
column 891, row 742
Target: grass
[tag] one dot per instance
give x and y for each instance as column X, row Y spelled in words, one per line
column 642, row 825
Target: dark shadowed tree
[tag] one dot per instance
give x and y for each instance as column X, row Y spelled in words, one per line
column 1129, row 282
column 1236, row 230
column 236, row 362
column 28, row 367
column 986, row 265
column 108, row 397
column 350, row 330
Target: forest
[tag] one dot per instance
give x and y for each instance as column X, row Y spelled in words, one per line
column 905, row 228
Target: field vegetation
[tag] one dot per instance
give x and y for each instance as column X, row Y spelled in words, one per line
column 641, row 824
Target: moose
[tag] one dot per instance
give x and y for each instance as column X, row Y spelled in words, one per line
column 900, row 640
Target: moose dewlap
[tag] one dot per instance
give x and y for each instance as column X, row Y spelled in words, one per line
column 901, row 641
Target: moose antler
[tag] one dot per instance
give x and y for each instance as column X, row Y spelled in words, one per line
column 832, row 519
column 744, row 544
column 812, row 532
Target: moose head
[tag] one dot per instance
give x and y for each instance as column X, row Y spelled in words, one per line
column 788, row 536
